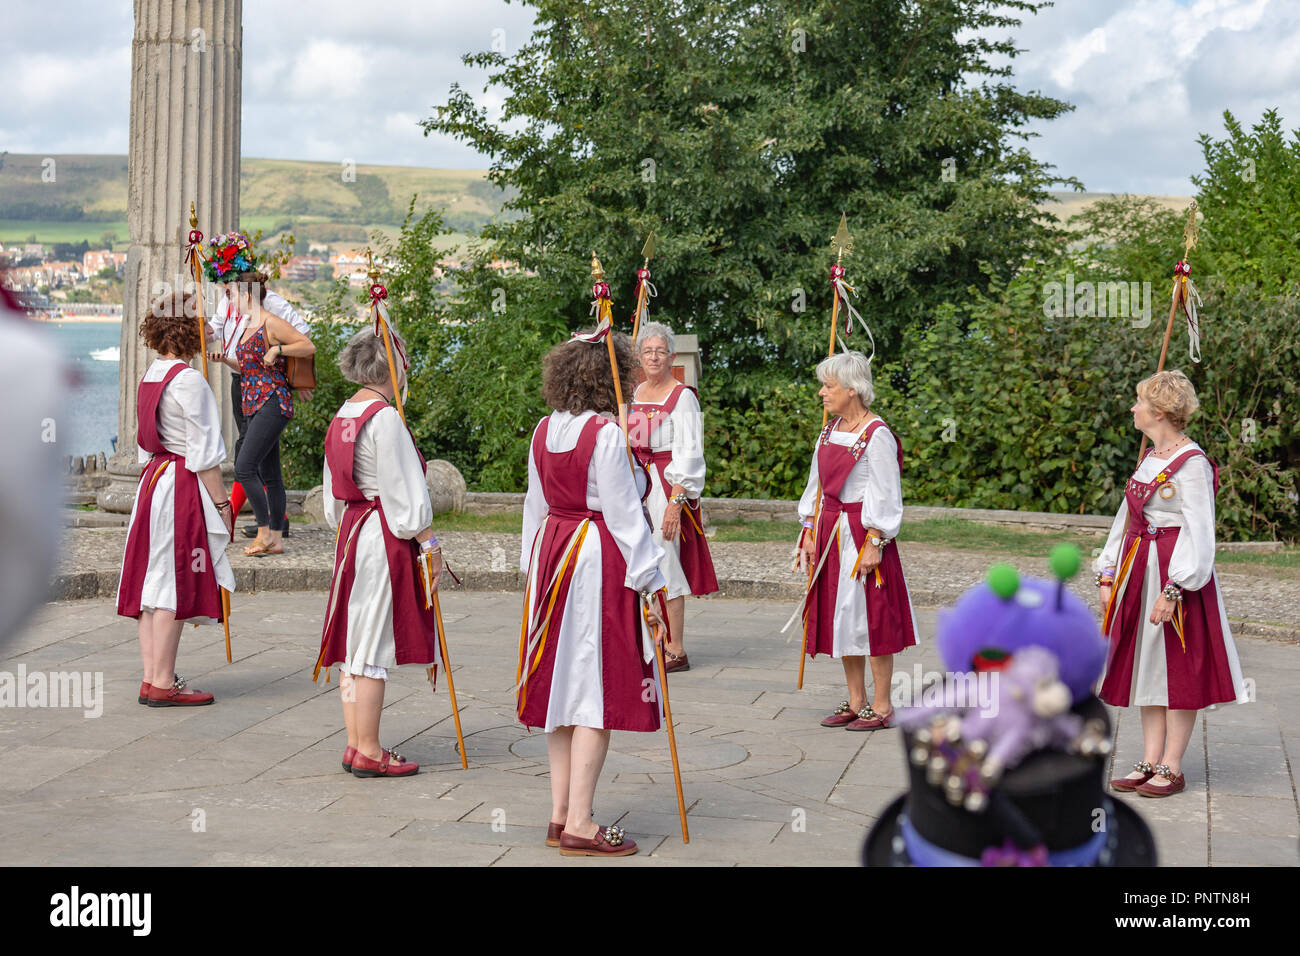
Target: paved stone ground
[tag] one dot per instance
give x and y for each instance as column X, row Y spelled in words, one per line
column 261, row 766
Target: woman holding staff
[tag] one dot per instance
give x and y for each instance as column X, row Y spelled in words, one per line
column 585, row 654
column 857, row 606
column 1171, row 649
column 175, row 561
column 667, row 436
column 375, row 496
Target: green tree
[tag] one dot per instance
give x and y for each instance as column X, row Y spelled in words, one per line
column 738, row 134
column 1249, row 195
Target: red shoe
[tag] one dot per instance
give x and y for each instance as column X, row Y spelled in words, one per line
column 608, row 841
column 868, row 719
column 1129, row 784
column 676, row 662
column 348, row 754
column 842, row 715
column 144, row 693
column 177, row 696
column 554, row 831
column 391, row 764
column 1177, row 783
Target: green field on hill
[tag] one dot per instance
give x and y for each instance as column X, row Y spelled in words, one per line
column 318, row 202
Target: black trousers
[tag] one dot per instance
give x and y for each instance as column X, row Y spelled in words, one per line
column 237, row 406
column 257, row 466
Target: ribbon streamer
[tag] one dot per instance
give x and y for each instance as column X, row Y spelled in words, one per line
column 1191, row 303
column 842, row 290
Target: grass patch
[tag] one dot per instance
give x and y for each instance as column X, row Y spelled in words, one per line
column 1286, row 558
column 502, row 523
column 948, row 532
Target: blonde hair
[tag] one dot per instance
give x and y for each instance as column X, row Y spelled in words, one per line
column 1171, row 394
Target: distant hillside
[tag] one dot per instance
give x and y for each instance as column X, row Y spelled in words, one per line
column 87, row 198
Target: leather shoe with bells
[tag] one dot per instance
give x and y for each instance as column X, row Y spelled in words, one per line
column 608, row 841
column 843, row 714
column 390, row 764
column 1129, row 784
column 178, row 696
column 1177, row 784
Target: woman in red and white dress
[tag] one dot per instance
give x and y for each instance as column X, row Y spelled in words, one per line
column 858, row 606
column 175, row 560
column 667, row 435
column 375, row 495
column 585, row 651
column 1171, row 649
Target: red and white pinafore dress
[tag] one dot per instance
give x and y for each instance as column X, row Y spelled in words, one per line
column 871, row 616
column 1164, row 533
column 585, row 657
column 175, row 549
column 688, row 565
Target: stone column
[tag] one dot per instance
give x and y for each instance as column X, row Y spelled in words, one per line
column 186, row 67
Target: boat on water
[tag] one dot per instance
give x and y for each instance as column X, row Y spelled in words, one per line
column 111, row 354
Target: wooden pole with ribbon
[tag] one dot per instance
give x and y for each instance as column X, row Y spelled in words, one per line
column 379, row 315
column 1186, row 296
column 602, row 308
column 643, row 287
column 842, row 243
column 194, row 262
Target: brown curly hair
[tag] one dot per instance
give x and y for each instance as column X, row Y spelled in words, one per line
column 576, row 376
column 171, row 326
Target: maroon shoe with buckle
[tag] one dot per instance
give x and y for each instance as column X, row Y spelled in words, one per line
column 1177, row 783
column 390, row 764
column 869, row 719
column 554, row 831
column 178, row 695
column 676, row 662
column 1129, row 784
column 144, row 693
column 843, row 714
column 348, row 754
column 608, row 841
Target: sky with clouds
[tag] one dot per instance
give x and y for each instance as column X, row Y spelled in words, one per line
column 334, row 79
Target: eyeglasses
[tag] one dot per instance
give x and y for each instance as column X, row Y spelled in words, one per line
column 655, row 353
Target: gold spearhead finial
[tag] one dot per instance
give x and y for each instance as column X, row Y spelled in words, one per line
column 648, row 252
column 194, row 219
column 370, row 266
column 842, row 242
column 1189, row 230
column 597, row 272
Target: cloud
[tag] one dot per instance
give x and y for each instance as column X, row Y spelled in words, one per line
column 336, row 79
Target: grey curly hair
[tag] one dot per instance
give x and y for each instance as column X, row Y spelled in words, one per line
column 365, row 361
column 656, row 330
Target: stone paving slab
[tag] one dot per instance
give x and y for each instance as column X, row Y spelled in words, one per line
column 254, row 780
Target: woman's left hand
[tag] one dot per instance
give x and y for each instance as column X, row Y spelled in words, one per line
column 1163, row 612
column 672, row 521
column 871, row 556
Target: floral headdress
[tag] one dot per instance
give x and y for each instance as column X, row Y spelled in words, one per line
column 228, row 255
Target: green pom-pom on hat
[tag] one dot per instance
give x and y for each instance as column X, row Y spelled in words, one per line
column 1064, row 560
column 1004, row 581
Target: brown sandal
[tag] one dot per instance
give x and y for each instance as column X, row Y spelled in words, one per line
column 608, row 841
column 259, row 550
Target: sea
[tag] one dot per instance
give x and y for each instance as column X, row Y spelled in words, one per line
column 91, row 352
